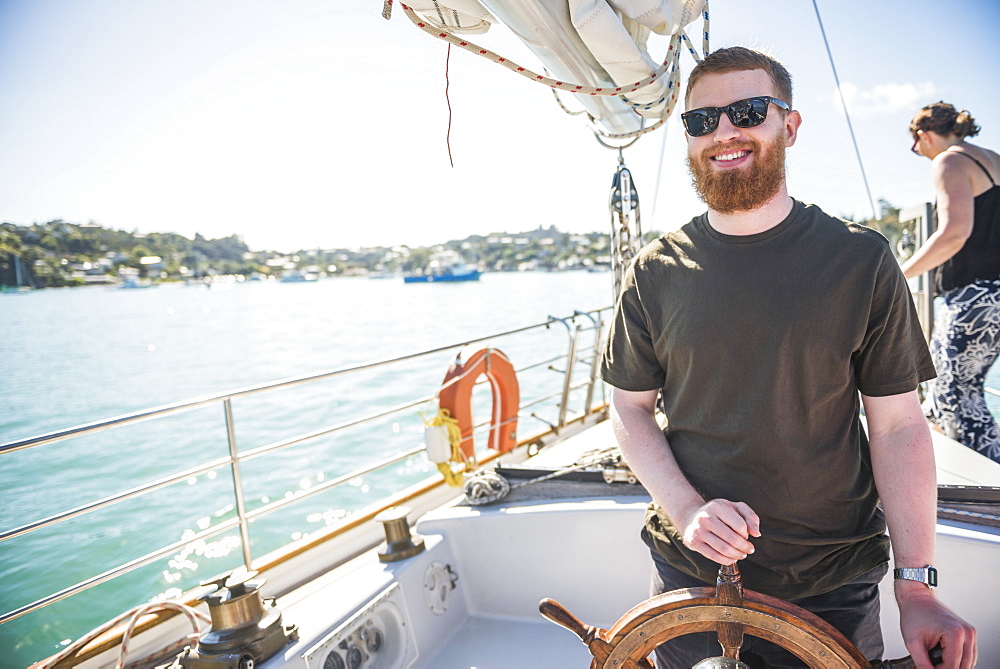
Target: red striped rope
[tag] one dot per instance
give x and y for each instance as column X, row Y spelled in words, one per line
column 523, row 71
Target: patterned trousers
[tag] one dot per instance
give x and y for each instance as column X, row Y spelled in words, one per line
column 964, row 346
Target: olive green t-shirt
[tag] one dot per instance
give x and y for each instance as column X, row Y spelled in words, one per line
column 760, row 344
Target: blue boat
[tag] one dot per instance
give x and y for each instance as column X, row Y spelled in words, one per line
column 455, row 273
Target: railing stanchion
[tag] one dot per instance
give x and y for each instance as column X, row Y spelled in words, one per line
column 241, row 507
column 568, row 379
column 595, row 362
column 922, row 217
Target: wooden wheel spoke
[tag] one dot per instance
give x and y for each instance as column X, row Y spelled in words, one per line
column 727, row 610
column 797, row 636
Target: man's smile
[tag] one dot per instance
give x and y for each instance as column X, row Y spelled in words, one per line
column 731, row 155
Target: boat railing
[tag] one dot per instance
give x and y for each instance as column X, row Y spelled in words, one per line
column 916, row 224
column 566, row 363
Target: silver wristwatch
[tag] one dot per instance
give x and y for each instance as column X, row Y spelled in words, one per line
column 927, row 575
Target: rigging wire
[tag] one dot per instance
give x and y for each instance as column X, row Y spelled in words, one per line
column 663, row 140
column 659, row 170
column 843, row 103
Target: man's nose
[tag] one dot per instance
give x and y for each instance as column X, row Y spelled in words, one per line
column 725, row 131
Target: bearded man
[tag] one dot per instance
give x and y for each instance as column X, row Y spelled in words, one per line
column 760, row 323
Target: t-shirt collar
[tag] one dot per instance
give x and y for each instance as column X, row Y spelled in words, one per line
column 702, row 222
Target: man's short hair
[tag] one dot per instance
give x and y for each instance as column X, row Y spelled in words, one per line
column 738, row 58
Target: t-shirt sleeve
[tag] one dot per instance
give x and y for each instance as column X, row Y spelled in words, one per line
column 893, row 357
column 629, row 361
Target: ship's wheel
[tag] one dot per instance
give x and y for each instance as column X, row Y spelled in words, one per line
column 727, row 610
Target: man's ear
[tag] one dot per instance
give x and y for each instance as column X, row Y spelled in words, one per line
column 793, row 120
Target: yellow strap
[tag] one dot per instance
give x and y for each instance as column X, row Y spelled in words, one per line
column 451, row 477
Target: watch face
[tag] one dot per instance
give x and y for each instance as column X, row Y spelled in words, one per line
column 932, row 577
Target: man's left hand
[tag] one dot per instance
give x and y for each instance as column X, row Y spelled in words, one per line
column 926, row 622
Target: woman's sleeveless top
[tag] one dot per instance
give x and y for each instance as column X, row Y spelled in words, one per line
column 979, row 258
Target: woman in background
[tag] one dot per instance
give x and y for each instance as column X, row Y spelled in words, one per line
column 964, row 251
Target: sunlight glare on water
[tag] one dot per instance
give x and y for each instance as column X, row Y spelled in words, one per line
column 73, row 356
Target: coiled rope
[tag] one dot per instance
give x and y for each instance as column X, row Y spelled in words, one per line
column 133, row 615
column 487, row 486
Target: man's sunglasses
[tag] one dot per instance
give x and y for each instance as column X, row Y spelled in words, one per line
column 742, row 114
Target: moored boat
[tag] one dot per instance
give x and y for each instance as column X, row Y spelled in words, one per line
column 448, row 274
column 444, row 267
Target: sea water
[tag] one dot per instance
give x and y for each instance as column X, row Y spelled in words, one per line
column 73, row 356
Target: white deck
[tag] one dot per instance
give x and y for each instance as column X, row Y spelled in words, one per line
column 584, row 553
column 959, row 465
column 498, row 643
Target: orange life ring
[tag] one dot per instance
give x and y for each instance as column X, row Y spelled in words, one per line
column 456, row 396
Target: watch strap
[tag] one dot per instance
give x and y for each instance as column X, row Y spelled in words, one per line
column 927, row 575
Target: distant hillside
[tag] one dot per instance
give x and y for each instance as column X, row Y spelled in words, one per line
column 58, row 253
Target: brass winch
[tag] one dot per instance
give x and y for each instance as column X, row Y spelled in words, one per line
column 244, row 631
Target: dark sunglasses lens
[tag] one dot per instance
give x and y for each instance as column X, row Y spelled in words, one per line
column 747, row 113
column 742, row 114
column 700, row 122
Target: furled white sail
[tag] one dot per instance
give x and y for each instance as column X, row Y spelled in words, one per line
column 593, row 43
column 466, row 17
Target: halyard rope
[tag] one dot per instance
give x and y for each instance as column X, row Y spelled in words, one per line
column 566, row 109
column 514, row 67
column 192, row 615
column 704, row 32
column 671, row 63
column 447, row 85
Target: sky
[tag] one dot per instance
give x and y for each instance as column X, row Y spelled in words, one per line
column 302, row 124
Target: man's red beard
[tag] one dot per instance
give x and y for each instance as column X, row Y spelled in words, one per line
column 742, row 189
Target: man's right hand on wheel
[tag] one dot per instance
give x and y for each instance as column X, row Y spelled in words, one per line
column 721, row 530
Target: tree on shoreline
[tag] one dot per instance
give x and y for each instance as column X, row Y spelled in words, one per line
column 68, row 254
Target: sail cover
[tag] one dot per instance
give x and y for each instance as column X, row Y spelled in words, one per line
column 596, row 43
